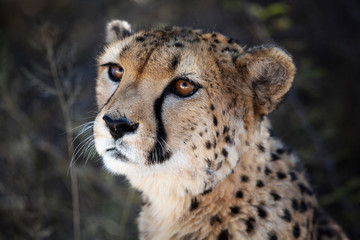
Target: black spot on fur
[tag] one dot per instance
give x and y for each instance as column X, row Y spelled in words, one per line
column 154, row 43
column 296, row 231
column 208, row 144
column 227, row 49
column 261, row 212
column 179, row 45
column 239, row 194
column 140, row 39
column 287, row 216
column 272, row 236
column 212, row 108
column 274, row 157
column 305, row 189
column 275, row 196
column 207, row 191
column 249, row 225
column 234, row 59
column 294, row 204
column 217, row 133
column 230, row 41
column 228, row 140
column 267, row 171
column 226, row 129
column 215, row 121
column 281, row 175
column 216, row 41
column 293, row 176
column 214, row 219
column 215, row 155
column 261, row 147
column 224, row 152
column 224, row 235
column 244, row 178
column 280, row 150
column 235, row 209
column 174, row 62
column 260, row 184
column 214, row 35
column 303, row 206
column 194, row 204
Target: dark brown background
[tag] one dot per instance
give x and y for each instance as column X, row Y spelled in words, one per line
column 47, row 70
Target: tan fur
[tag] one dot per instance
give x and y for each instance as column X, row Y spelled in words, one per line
column 226, row 176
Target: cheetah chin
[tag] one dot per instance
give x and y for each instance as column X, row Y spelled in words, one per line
column 183, row 115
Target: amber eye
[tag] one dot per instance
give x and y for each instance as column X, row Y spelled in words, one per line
column 115, row 73
column 184, row 88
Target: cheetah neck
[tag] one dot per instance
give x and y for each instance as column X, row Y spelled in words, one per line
column 167, row 208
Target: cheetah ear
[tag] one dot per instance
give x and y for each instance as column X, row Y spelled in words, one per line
column 270, row 72
column 117, row 30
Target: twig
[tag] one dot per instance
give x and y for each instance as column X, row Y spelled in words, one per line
column 47, row 88
column 65, row 107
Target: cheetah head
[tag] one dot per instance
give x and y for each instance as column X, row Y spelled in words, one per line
column 179, row 104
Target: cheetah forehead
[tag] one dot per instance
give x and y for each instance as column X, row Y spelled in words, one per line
column 171, row 41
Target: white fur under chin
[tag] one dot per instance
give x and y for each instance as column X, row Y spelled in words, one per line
column 168, row 176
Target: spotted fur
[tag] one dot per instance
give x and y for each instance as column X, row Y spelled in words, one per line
column 208, row 165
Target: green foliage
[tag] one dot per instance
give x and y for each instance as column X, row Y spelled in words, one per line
column 233, row 5
column 276, row 14
column 270, row 11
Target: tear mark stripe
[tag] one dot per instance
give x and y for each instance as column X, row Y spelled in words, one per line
column 159, row 154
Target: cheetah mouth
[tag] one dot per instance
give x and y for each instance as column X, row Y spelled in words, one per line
column 116, row 154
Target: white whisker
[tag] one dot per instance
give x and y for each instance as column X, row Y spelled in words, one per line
column 86, row 147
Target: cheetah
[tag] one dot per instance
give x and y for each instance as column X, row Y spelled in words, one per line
column 183, row 115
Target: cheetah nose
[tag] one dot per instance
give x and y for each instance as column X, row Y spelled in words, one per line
column 119, row 127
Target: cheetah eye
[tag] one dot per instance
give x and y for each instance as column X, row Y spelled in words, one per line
column 115, row 73
column 184, row 88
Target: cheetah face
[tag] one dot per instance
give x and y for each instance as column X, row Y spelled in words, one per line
column 151, row 94
column 165, row 98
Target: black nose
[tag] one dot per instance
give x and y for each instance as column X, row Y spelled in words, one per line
column 119, row 127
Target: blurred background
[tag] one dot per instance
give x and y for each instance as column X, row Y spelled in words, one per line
column 47, row 71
